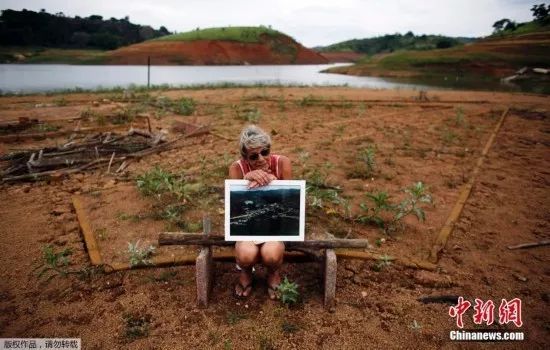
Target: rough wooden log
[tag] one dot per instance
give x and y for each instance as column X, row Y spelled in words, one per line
column 183, row 238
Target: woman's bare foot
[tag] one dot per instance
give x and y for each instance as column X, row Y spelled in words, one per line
column 273, row 281
column 243, row 288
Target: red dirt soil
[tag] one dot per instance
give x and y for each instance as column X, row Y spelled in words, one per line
column 213, row 52
column 437, row 142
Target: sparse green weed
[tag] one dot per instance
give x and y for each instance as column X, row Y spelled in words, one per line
column 54, row 263
column 139, row 256
column 288, row 292
column 136, row 326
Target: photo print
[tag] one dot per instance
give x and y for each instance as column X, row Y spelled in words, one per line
column 275, row 212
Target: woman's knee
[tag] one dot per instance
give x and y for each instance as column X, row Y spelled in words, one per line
column 272, row 253
column 246, row 253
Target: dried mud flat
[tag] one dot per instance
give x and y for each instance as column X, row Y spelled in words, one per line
column 437, row 142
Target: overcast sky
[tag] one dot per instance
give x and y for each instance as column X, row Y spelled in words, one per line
column 311, row 22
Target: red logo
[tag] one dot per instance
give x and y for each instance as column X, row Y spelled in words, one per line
column 459, row 310
column 508, row 311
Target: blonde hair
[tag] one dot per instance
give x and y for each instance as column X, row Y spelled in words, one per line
column 253, row 137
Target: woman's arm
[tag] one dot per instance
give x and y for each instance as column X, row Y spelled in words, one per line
column 286, row 168
column 256, row 177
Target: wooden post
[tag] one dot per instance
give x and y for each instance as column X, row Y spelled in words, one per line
column 148, row 71
column 330, row 278
column 203, row 268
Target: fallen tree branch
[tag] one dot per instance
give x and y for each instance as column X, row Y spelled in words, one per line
column 529, row 245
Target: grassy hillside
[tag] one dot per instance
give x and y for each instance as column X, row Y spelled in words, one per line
column 496, row 56
column 395, row 42
column 484, row 62
column 239, row 34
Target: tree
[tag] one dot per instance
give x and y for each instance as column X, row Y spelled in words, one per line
column 541, row 13
column 504, row 24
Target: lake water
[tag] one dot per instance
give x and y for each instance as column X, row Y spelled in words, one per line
column 47, row 77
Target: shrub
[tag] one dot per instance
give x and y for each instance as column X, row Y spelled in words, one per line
column 288, row 292
column 389, row 216
column 54, row 263
column 185, row 106
column 139, row 256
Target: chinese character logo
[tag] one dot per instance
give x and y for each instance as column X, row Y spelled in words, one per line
column 459, row 310
column 510, row 311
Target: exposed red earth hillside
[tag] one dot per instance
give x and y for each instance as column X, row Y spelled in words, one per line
column 279, row 50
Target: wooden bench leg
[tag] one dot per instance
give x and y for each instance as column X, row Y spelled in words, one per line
column 330, row 278
column 203, row 276
column 203, row 269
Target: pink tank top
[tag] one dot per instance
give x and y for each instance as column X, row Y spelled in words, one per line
column 273, row 166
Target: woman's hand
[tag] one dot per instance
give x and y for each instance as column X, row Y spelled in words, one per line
column 259, row 178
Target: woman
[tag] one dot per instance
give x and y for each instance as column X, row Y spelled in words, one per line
column 260, row 167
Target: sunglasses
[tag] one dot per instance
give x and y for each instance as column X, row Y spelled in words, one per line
column 255, row 156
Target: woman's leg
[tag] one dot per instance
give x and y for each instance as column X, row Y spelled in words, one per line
column 272, row 257
column 246, row 254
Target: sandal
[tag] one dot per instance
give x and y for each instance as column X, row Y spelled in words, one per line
column 273, row 292
column 243, row 291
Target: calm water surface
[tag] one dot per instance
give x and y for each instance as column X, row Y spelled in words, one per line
column 47, row 77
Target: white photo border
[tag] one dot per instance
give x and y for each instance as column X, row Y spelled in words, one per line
column 274, row 183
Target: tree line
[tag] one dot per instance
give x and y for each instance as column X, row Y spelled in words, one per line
column 394, row 42
column 29, row 28
column 541, row 17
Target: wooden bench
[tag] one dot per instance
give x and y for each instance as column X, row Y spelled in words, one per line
column 204, row 261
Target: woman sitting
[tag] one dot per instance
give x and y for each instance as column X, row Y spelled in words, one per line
column 259, row 167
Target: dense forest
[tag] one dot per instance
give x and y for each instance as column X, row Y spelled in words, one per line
column 394, row 42
column 29, row 28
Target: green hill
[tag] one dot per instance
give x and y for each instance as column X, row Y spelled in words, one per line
column 239, row 34
column 395, row 42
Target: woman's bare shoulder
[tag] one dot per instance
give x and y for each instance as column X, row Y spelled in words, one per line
column 235, row 171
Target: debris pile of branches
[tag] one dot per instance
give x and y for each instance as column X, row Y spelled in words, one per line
column 74, row 156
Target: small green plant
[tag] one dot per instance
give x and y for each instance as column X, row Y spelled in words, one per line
column 367, row 156
column 252, row 116
column 383, row 262
column 415, row 326
column 366, row 167
column 101, row 233
column 380, row 203
column 288, row 327
column 185, row 106
column 234, row 317
column 448, row 137
column 158, row 182
column 45, row 127
column 126, row 216
column 172, row 212
column 266, row 343
column 417, row 194
column 88, row 113
column 459, row 117
column 60, row 101
column 389, row 216
column 308, row 100
column 227, row 345
column 288, row 292
column 379, row 242
column 136, row 326
column 54, row 263
column 281, row 104
column 139, row 256
column 100, row 120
